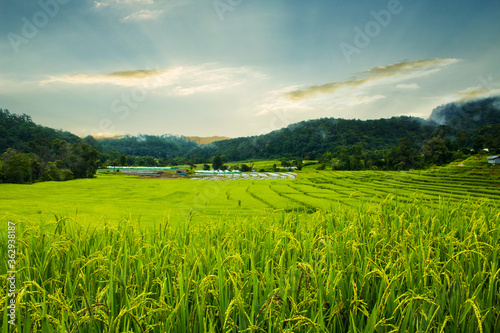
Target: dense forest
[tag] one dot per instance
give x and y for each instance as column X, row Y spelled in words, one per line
column 18, row 131
column 30, row 152
column 165, row 146
column 311, row 139
column 386, row 144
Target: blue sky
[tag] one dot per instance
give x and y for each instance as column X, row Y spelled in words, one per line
column 240, row 67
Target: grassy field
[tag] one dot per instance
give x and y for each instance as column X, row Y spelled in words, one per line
column 366, row 251
column 115, row 197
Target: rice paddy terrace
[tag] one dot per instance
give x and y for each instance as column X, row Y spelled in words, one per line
column 326, row 251
column 112, row 198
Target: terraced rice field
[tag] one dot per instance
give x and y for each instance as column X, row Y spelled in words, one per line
column 325, row 252
column 246, row 176
column 375, row 186
column 120, row 197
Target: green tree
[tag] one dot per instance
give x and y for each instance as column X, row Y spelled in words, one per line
column 42, row 148
column 326, row 158
column 123, row 160
column 298, row 164
column 478, row 143
column 492, row 143
column 2, row 173
column 53, row 173
column 462, row 139
column 437, row 151
column 179, row 161
column 61, row 149
column 150, row 161
column 130, row 160
column 82, row 160
column 246, row 168
column 441, row 131
column 405, row 155
column 286, row 164
column 344, row 160
column 140, row 161
column 217, row 163
column 90, row 140
column 20, row 168
column 357, row 156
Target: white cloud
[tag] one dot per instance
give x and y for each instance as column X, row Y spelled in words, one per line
column 352, row 92
column 473, row 93
column 181, row 80
column 144, row 14
column 408, row 86
column 399, row 72
column 141, row 10
column 123, row 2
column 98, row 4
column 278, row 101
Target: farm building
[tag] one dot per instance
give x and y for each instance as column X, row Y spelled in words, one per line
column 181, row 172
column 494, row 159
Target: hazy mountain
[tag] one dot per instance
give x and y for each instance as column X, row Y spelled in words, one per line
column 468, row 116
column 311, row 138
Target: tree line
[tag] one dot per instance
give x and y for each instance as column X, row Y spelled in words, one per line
column 398, row 143
column 58, row 160
column 30, row 152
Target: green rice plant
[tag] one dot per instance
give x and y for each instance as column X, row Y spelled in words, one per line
column 374, row 267
column 263, row 192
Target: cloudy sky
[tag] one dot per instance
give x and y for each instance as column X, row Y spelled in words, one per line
column 240, row 67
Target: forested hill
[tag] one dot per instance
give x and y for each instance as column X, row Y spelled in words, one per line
column 164, row 146
column 468, row 116
column 20, row 133
column 307, row 139
column 458, row 123
column 30, row 152
column 313, row 138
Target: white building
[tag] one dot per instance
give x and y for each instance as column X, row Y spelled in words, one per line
column 494, row 159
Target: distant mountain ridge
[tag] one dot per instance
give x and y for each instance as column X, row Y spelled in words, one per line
column 311, row 138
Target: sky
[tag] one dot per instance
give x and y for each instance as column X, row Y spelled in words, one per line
column 240, row 67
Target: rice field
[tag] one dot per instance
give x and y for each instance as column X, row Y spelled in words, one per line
column 366, row 251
